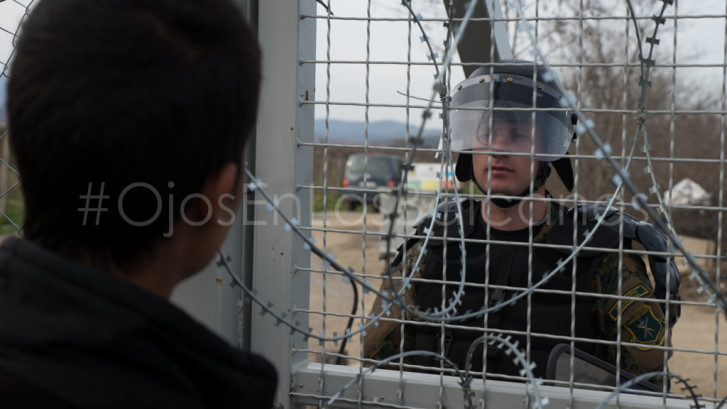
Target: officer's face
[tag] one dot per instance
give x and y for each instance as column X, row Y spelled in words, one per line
column 508, row 174
column 507, row 136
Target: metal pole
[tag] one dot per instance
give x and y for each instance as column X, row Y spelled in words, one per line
column 286, row 39
column 479, row 35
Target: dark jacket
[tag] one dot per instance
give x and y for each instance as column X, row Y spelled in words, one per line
column 74, row 337
column 612, row 274
column 508, row 266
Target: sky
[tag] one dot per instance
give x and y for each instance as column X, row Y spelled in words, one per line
column 699, row 41
column 11, row 12
column 388, row 43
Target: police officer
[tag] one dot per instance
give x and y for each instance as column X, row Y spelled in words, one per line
column 510, row 127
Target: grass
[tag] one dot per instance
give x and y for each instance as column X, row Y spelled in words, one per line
column 331, row 199
column 14, row 215
column 332, row 202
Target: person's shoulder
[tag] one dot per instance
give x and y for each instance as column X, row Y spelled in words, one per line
column 602, row 227
column 584, row 225
column 433, row 227
column 260, row 379
column 447, row 218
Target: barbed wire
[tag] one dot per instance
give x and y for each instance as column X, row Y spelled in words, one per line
column 519, row 358
column 649, row 375
column 645, row 64
column 587, row 128
column 716, row 297
column 438, row 89
column 464, row 381
column 395, row 298
column 604, row 151
column 445, row 313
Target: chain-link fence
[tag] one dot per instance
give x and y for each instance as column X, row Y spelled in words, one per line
column 354, row 145
column 11, row 201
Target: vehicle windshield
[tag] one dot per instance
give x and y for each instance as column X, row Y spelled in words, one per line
column 375, row 166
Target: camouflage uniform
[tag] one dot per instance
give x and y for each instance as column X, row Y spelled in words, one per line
column 642, row 322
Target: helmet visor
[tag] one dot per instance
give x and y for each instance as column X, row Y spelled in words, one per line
column 508, row 122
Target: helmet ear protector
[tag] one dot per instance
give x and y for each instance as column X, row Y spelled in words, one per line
column 463, row 168
column 563, row 166
column 494, row 98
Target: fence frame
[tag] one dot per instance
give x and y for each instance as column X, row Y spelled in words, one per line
column 274, row 262
column 283, row 165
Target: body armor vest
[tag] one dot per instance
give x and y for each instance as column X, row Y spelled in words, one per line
column 547, row 316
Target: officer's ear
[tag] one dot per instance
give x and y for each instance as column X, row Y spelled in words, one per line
column 564, row 169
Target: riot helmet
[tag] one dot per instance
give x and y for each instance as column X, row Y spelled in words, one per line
column 511, row 91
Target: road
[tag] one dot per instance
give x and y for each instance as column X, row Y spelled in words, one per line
column 344, row 239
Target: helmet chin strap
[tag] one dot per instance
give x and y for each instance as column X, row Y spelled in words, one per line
column 539, row 181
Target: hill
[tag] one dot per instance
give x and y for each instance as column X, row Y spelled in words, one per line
column 380, row 133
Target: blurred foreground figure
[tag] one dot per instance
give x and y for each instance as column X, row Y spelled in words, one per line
column 128, row 121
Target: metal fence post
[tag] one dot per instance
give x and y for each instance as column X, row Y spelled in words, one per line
column 286, row 39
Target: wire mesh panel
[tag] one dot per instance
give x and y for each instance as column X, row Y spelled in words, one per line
column 381, row 274
column 646, row 95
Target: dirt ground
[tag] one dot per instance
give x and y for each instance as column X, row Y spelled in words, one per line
column 700, row 336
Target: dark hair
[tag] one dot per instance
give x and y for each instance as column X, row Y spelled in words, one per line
column 152, row 94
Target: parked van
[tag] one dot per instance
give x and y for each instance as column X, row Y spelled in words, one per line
column 369, row 176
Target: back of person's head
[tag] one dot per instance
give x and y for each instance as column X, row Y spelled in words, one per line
column 143, row 97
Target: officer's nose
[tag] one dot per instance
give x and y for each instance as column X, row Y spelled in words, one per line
column 501, row 140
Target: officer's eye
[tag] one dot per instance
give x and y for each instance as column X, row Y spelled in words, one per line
column 520, row 136
column 483, row 136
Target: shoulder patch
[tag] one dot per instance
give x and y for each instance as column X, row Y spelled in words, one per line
column 587, row 216
column 645, row 327
column 638, row 291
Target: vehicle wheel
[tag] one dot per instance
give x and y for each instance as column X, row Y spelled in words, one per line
column 351, row 205
column 376, row 204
